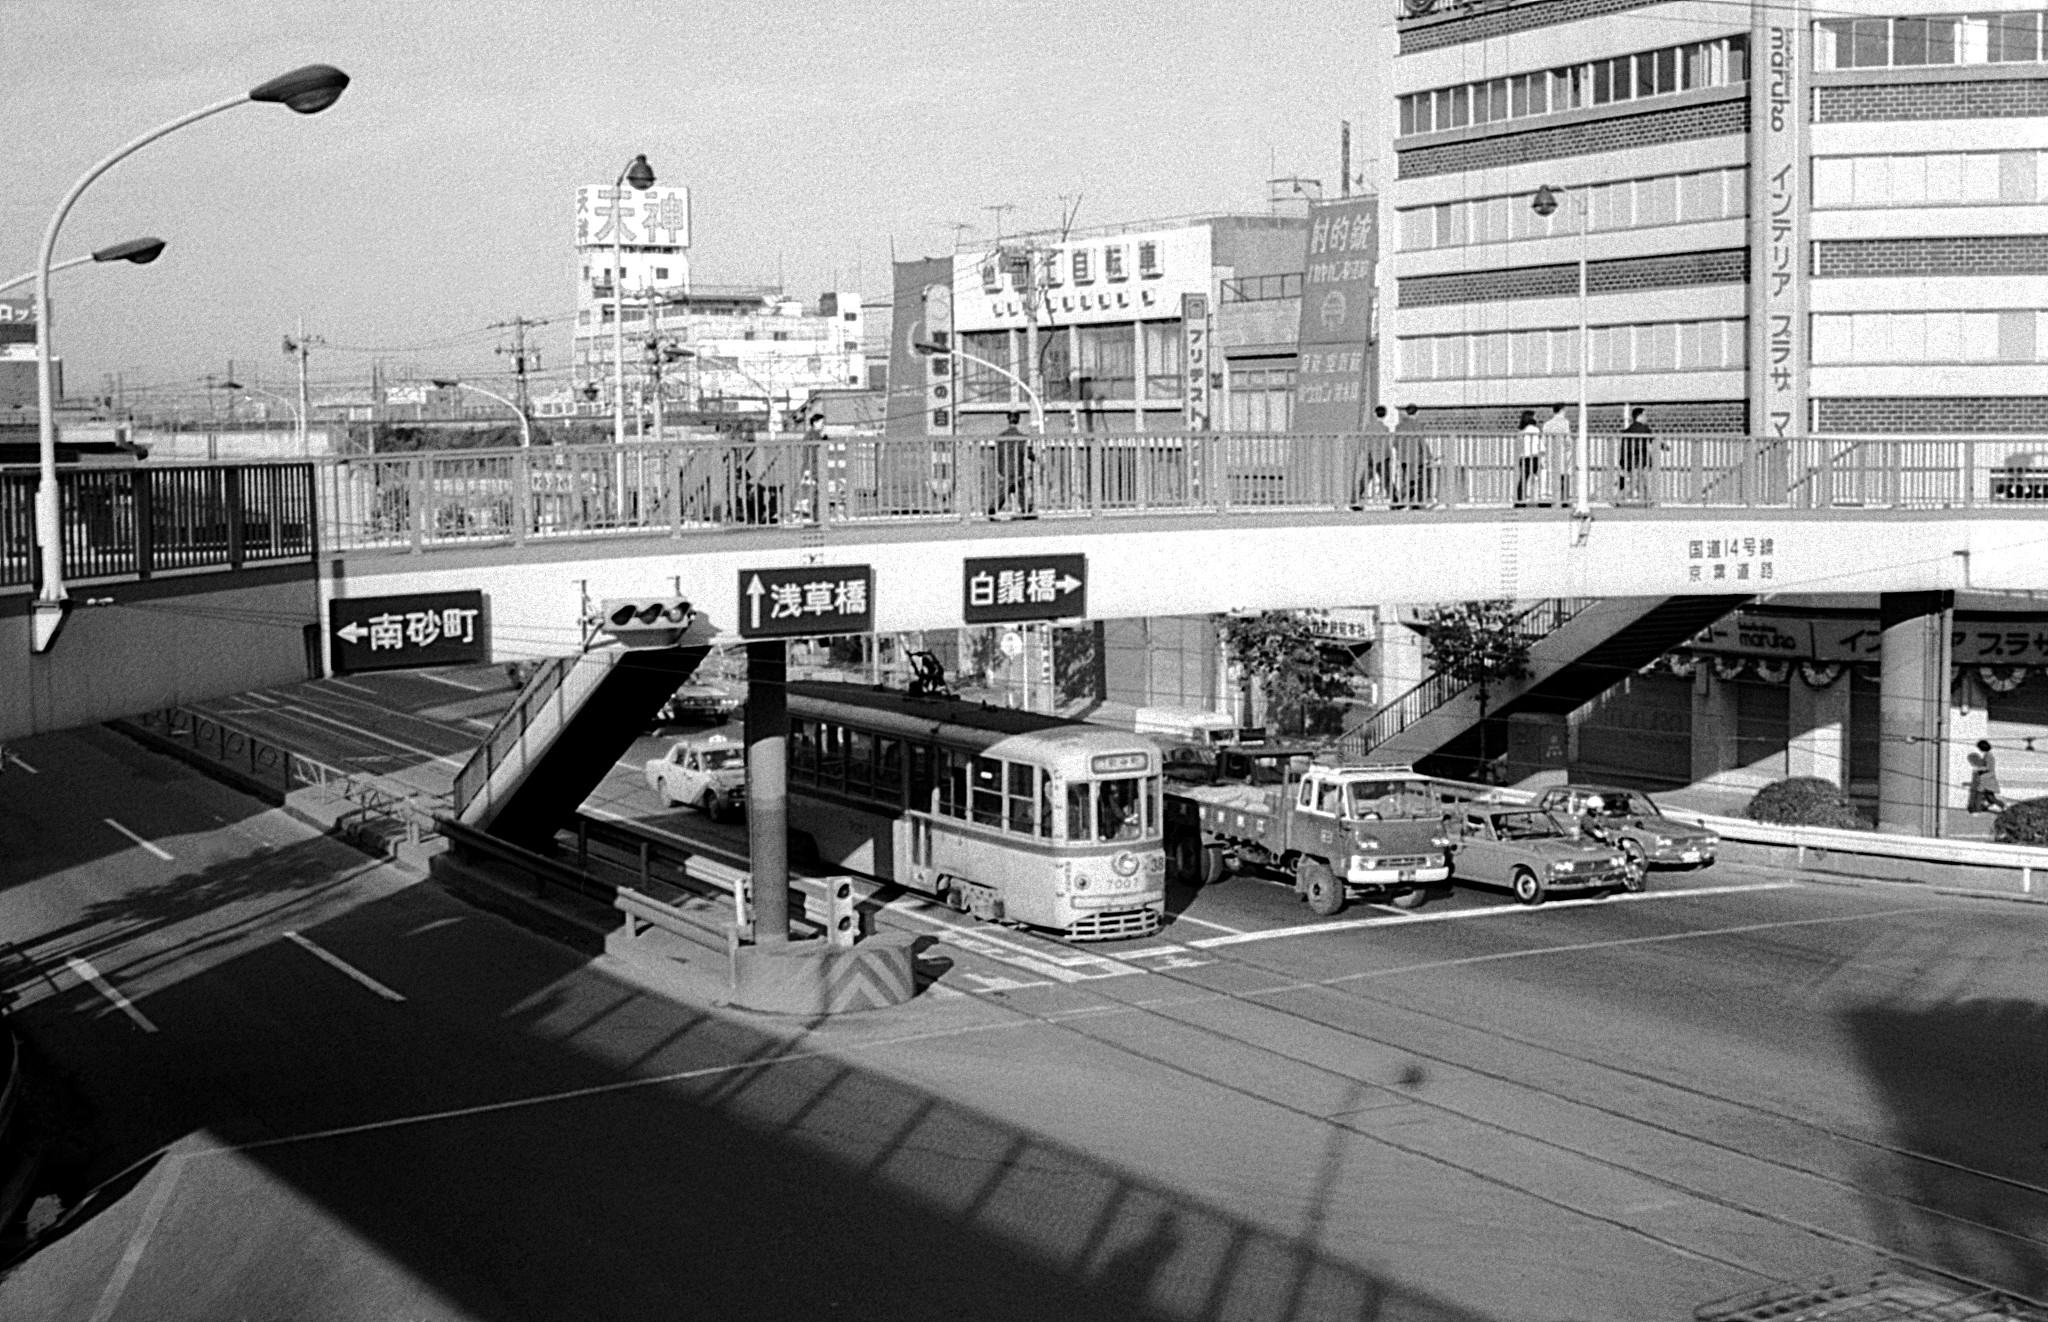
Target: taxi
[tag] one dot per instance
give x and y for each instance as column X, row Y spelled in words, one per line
column 707, row 771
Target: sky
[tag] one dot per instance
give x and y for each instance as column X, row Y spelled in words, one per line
column 437, row 196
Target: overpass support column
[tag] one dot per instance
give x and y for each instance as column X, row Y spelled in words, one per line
column 1818, row 729
column 767, row 733
column 1713, row 723
column 1912, row 710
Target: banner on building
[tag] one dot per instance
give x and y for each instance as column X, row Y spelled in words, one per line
column 1196, row 393
column 2018, row 642
column 1778, row 204
column 632, row 217
column 1336, row 379
column 911, row 323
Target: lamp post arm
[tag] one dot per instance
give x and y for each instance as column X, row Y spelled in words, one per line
column 525, row 428
column 27, row 276
column 49, row 517
column 1037, row 405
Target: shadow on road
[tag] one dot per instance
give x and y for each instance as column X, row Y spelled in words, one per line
column 529, row 1140
column 1966, row 1088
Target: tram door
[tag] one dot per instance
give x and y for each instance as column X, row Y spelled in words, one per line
column 922, row 784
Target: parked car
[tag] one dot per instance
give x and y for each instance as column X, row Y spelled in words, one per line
column 1532, row 854
column 708, row 771
column 1631, row 820
column 698, row 704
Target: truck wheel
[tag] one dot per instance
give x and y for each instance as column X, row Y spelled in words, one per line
column 1529, row 887
column 708, row 805
column 1215, row 868
column 1414, row 899
column 1187, row 860
column 1322, row 890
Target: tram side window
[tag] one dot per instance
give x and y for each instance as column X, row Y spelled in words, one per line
column 1023, row 796
column 1155, row 819
column 860, row 761
column 1080, row 822
column 954, row 770
column 889, row 770
column 988, row 791
column 803, row 751
column 1048, row 799
column 1119, row 809
column 831, row 755
column 923, row 777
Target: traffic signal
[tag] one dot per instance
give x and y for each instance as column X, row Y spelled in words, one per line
column 842, row 915
column 645, row 621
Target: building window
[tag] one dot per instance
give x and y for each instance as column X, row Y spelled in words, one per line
column 991, row 278
column 850, row 316
column 1084, row 272
column 1108, row 362
column 1912, row 338
column 1984, row 178
column 1149, row 266
column 1662, row 72
column 1623, row 204
column 1162, row 358
column 1877, row 43
column 780, row 335
column 1260, row 288
column 1261, row 398
column 1696, row 346
column 661, row 273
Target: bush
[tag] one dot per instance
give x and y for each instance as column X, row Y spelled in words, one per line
column 2022, row 823
column 1805, row 801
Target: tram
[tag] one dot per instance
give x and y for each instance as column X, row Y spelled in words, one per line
column 1011, row 816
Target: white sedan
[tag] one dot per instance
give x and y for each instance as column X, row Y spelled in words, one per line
column 709, row 771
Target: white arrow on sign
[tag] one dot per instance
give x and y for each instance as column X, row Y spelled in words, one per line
column 352, row 632
column 754, row 594
column 1067, row 583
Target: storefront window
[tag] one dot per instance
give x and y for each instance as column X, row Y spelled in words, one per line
column 1162, row 359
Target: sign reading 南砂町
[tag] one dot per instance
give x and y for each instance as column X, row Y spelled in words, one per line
column 806, row 601
column 1024, row 587
column 395, row 633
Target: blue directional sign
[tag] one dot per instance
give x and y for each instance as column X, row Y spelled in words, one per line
column 398, row 633
column 806, row 601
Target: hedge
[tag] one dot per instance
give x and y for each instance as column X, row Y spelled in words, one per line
column 2022, row 823
column 1805, row 801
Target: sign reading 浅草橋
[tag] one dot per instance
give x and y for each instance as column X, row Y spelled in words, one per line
column 398, row 633
column 806, row 601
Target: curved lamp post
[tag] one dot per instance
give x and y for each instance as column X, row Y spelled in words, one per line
column 929, row 348
column 139, row 251
column 307, row 91
column 640, row 175
column 1544, row 204
column 287, row 400
column 525, row 428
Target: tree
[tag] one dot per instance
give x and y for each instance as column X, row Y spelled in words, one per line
column 1482, row 643
column 1302, row 679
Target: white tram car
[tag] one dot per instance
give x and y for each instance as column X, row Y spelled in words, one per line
column 1013, row 816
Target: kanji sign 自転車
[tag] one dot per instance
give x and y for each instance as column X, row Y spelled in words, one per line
column 396, row 633
column 807, row 600
column 1024, row 587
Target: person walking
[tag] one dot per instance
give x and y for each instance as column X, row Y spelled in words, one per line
column 1013, row 470
column 1529, row 467
column 1557, row 447
column 1375, row 461
column 1984, row 791
column 1635, row 459
column 813, row 480
column 1411, row 460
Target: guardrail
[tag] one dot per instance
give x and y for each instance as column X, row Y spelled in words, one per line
column 139, row 520
column 1809, row 843
column 417, row 501
column 475, row 774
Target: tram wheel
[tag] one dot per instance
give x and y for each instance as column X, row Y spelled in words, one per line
column 1320, row 887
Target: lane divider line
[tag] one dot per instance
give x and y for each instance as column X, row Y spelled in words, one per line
column 336, row 961
column 138, row 1242
column 87, row 973
column 160, row 853
column 342, row 683
column 1401, row 920
column 453, row 683
column 307, row 713
column 15, row 758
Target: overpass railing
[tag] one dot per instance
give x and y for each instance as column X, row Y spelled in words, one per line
column 135, row 521
column 435, row 498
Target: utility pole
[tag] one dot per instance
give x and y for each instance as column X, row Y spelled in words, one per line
column 298, row 347
column 523, row 360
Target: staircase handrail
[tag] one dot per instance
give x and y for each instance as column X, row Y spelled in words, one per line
column 1440, row 687
column 505, row 735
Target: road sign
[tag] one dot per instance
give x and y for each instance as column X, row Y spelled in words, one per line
column 398, row 633
column 806, row 601
column 1024, row 587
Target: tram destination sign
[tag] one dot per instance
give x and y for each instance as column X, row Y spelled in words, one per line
column 1024, row 587
column 398, row 633
column 807, row 600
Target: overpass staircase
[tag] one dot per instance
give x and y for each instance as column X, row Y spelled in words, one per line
column 576, row 717
column 1579, row 648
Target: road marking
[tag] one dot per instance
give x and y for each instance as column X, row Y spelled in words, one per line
column 15, row 758
column 309, row 714
column 1496, row 911
column 428, row 927
column 138, row 1242
column 1203, row 922
column 479, row 723
column 138, row 840
column 452, row 683
column 265, row 698
column 360, row 688
column 88, row 973
column 342, row 964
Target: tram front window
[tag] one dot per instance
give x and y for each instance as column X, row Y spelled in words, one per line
column 1119, row 810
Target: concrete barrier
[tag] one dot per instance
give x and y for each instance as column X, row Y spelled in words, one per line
column 1975, row 866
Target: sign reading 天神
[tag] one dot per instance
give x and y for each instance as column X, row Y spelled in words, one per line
column 1777, row 207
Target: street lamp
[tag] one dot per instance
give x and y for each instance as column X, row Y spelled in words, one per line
column 525, row 428
column 1545, row 204
column 139, row 251
column 929, row 348
column 640, row 175
column 304, row 445
column 307, row 91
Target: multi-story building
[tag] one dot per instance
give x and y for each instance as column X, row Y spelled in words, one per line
column 1791, row 222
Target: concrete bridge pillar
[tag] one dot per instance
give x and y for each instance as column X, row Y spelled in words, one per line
column 1913, row 711
column 1818, row 730
column 767, row 734
column 1713, row 724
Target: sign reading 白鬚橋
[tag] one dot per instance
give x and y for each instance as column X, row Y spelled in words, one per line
column 632, row 217
column 1336, row 379
column 1777, row 203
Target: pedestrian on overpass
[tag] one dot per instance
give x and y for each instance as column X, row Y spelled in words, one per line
column 1411, row 455
column 1013, row 470
column 1557, row 436
column 1529, row 467
column 1375, row 460
column 1635, row 458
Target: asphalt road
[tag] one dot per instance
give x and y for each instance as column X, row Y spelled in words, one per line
column 335, row 1094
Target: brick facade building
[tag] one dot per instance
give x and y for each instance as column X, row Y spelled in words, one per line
column 1791, row 223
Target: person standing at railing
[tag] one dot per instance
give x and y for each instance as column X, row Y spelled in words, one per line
column 1013, row 470
column 1635, row 459
column 1375, row 469
column 1411, row 455
column 813, row 481
column 1529, row 465
column 1557, row 448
